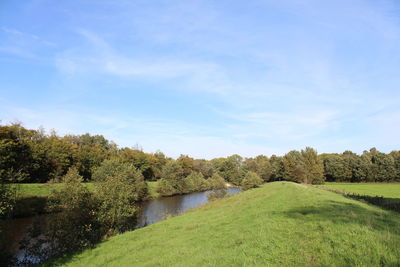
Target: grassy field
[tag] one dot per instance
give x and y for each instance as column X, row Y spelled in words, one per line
column 40, row 190
column 279, row 224
column 153, row 189
column 369, row 189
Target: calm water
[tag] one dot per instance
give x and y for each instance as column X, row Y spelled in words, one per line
column 157, row 209
column 151, row 212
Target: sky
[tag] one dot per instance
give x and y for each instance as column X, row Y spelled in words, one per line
column 206, row 78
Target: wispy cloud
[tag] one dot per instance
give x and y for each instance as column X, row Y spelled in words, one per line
column 101, row 57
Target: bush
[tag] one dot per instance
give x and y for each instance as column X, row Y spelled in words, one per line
column 119, row 186
column 217, row 194
column 216, row 182
column 251, row 180
column 73, row 227
column 195, row 182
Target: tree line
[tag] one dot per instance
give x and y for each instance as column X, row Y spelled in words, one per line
column 29, row 156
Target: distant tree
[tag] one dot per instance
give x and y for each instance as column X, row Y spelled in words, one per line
column 186, row 163
column 277, row 168
column 216, row 182
column 259, row 165
column 382, row 166
column 313, row 167
column 251, row 180
column 172, row 181
column 195, row 182
column 119, row 186
column 230, row 168
column 396, row 158
column 335, row 168
column 203, row 166
column 294, row 169
column 304, row 167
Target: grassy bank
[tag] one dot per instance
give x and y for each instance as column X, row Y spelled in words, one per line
column 279, row 224
column 387, row 190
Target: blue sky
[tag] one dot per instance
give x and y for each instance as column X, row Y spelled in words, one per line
column 206, row 78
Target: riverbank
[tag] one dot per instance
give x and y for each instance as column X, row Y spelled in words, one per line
column 281, row 223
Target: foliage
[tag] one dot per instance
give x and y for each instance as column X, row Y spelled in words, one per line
column 251, row 180
column 172, row 181
column 260, row 165
column 230, row 168
column 195, row 182
column 303, row 167
column 217, row 194
column 216, row 182
column 118, row 187
column 73, row 227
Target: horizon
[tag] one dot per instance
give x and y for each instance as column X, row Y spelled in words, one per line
column 206, row 79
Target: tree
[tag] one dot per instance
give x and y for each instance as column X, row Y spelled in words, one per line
column 304, row 166
column 335, row 168
column 231, row 168
column 195, row 182
column 251, row 180
column 294, row 169
column 119, row 186
column 73, row 227
column 277, row 168
column 259, row 165
column 172, row 181
column 313, row 167
column 216, row 182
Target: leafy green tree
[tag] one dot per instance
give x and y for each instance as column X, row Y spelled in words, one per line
column 195, row 182
column 186, row 163
column 251, row 180
column 304, row 166
column 73, row 227
column 396, row 158
column 382, row 166
column 277, row 168
column 203, row 166
column 259, row 165
column 172, row 181
column 230, row 168
column 313, row 167
column 216, row 182
column 294, row 167
column 119, row 186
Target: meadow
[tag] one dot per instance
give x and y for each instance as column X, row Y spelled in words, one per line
column 387, row 190
column 280, row 223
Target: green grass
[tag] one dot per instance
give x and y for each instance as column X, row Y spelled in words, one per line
column 279, row 224
column 369, row 189
column 153, row 189
column 40, row 190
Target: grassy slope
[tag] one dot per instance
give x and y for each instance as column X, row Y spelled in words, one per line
column 280, row 224
column 372, row 189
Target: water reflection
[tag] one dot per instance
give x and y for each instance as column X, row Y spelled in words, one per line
column 157, row 209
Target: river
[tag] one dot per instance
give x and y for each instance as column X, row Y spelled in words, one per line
column 151, row 211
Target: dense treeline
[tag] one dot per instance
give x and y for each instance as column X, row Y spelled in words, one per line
column 33, row 156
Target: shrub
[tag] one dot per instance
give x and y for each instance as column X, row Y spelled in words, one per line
column 216, row 182
column 251, row 180
column 118, row 187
